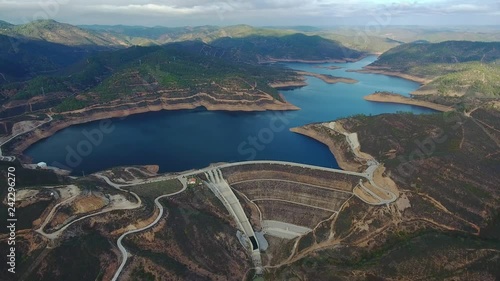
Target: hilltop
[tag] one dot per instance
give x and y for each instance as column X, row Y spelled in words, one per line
column 4, row 24
column 62, row 33
column 251, row 41
column 124, row 36
column 358, row 38
column 22, row 58
column 408, row 34
column 140, row 35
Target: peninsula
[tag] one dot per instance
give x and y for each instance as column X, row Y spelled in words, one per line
column 327, row 78
column 396, row 98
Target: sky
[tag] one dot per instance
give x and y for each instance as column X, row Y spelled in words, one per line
column 257, row 13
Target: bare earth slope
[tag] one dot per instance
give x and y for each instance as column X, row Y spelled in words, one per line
column 443, row 224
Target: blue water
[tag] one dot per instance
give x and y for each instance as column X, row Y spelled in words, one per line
column 182, row 140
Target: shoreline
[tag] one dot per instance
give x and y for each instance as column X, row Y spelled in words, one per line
column 337, row 152
column 100, row 112
column 331, row 67
column 329, row 79
column 289, row 84
column 21, row 143
column 399, row 99
column 273, row 60
column 376, row 70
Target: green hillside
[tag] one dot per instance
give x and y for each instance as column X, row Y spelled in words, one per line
column 409, row 58
column 244, row 30
column 290, row 47
column 56, row 32
column 358, row 38
column 459, row 71
column 122, row 35
column 469, row 79
column 370, row 44
column 21, row 59
column 122, row 74
column 4, row 24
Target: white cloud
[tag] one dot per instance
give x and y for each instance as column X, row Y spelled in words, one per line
column 257, row 12
column 467, row 8
column 148, row 8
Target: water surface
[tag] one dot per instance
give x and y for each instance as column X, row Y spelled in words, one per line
column 182, row 140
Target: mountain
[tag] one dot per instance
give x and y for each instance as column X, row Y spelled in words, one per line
column 56, row 32
column 301, row 28
column 468, row 79
column 157, row 32
column 178, row 71
column 408, row 33
column 5, row 25
column 86, row 67
column 453, row 72
column 125, row 36
column 140, row 35
column 294, row 47
column 419, row 54
column 370, row 44
column 22, row 58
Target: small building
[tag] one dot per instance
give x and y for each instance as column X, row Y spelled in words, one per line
column 41, row 165
column 191, row 181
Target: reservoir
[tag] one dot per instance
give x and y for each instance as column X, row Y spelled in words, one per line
column 187, row 139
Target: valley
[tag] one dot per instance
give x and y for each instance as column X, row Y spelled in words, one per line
column 250, row 153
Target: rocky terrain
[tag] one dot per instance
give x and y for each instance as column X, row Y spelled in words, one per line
column 206, row 245
column 445, row 166
column 442, row 225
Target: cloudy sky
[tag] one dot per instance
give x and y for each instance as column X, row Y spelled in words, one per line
column 259, row 12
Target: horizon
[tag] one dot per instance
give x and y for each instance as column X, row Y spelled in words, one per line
column 256, row 13
column 458, row 26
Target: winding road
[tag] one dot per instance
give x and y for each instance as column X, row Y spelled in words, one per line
column 160, row 214
column 219, row 186
column 56, row 234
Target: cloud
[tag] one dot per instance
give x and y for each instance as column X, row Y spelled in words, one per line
column 467, row 8
column 145, row 9
column 257, row 12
